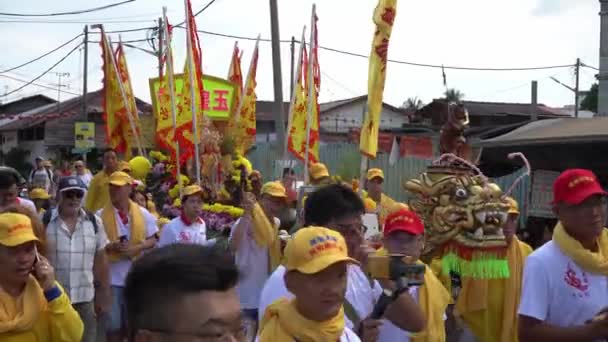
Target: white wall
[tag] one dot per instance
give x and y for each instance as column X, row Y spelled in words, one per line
column 346, row 118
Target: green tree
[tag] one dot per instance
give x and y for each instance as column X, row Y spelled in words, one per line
column 453, row 95
column 590, row 101
column 412, row 104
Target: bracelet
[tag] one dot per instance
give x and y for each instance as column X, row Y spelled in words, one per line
column 52, row 294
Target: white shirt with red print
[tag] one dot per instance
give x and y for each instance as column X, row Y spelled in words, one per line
column 177, row 231
column 557, row 291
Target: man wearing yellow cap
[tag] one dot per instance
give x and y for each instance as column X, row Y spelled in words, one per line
column 98, row 195
column 33, row 306
column 319, row 175
column 488, row 307
column 189, row 227
column 384, row 204
column 40, row 198
column 131, row 230
column 255, row 241
column 316, row 262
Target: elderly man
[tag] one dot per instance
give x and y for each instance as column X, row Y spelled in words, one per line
column 565, row 282
column 131, row 230
column 77, row 243
column 33, row 306
column 41, row 177
column 82, row 172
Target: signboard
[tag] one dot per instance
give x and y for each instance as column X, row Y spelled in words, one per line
column 84, row 135
column 542, row 193
column 218, row 96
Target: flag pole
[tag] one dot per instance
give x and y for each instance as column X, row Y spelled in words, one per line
column 296, row 79
column 192, row 102
column 124, row 96
column 169, row 70
column 311, row 89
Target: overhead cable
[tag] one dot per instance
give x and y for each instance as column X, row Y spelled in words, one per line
column 66, row 13
column 38, row 84
column 42, row 74
column 41, row 56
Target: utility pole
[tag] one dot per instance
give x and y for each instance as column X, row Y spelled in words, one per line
column 576, row 87
column 602, row 77
column 277, row 77
column 534, row 101
column 293, row 51
column 59, row 85
column 160, row 48
column 85, row 76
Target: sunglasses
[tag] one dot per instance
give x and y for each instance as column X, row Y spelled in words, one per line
column 70, row 194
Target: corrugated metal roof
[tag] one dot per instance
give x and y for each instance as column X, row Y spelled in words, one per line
column 555, row 131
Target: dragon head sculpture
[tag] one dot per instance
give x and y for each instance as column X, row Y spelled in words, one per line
column 464, row 214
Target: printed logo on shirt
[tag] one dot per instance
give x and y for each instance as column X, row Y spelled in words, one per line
column 184, row 237
column 581, row 284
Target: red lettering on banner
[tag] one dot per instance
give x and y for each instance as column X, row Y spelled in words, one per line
column 220, row 100
column 205, row 100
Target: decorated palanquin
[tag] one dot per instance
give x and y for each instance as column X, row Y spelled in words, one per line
column 463, row 211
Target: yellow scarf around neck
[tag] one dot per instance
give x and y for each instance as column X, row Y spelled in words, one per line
column 266, row 235
column 137, row 224
column 283, row 323
column 433, row 300
column 20, row 314
column 589, row 261
column 473, row 302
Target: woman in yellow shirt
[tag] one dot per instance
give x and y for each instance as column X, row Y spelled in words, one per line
column 33, row 306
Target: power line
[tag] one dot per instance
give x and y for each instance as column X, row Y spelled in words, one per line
column 88, row 21
column 197, row 13
column 42, row 74
column 124, row 41
column 36, row 84
column 41, row 56
column 67, row 13
column 589, row 66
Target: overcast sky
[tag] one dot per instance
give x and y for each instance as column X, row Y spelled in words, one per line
column 471, row 33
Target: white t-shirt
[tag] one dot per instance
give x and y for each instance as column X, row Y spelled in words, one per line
column 359, row 292
column 27, row 204
column 85, row 178
column 557, row 291
column 41, row 179
column 119, row 269
column 389, row 332
column 252, row 262
column 176, row 231
column 347, row 336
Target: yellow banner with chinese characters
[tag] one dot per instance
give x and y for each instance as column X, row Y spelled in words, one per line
column 384, row 16
column 113, row 104
column 246, row 129
column 134, row 124
column 235, row 75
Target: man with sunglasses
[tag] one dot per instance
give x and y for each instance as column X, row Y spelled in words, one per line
column 82, row 172
column 77, row 244
column 339, row 208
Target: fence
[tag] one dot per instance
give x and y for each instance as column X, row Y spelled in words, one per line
column 344, row 159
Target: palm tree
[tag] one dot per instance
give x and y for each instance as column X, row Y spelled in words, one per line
column 453, row 95
column 412, row 104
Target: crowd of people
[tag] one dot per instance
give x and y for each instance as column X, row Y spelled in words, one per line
column 91, row 258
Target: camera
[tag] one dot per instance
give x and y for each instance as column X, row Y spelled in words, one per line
column 396, row 267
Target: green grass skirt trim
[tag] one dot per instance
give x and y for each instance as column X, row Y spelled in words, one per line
column 481, row 266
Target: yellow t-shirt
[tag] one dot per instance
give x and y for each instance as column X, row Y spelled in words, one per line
column 98, row 194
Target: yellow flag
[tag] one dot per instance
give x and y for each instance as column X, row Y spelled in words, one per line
column 384, row 16
column 129, row 135
column 235, row 75
column 245, row 133
column 113, row 105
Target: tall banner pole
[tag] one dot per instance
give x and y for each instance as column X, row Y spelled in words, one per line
column 311, row 90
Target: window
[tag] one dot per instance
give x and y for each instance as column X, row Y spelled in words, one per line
column 33, row 133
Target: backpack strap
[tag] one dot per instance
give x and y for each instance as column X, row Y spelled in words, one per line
column 91, row 217
column 351, row 313
column 46, row 217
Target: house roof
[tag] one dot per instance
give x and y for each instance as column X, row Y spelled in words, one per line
column 263, row 110
column 6, row 108
column 331, row 105
column 553, row 131
column 482, row 108
column 66, row 108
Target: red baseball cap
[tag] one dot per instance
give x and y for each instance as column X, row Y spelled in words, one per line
column 405, row 221
column 574, row 186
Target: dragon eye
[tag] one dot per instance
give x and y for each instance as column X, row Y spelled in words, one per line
column 461, row 193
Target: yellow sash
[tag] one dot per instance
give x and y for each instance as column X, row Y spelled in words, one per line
column 283, row 323
column 21, row 314
column 266, row 235
column 596, row 263
column 136, row 219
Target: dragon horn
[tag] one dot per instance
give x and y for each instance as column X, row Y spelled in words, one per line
column 521, row 177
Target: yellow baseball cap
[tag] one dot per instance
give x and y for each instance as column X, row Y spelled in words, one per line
column 120, row 178
column 274, row 189
column 318, row 170
column 39, row 193
column 513, row 206
column 15, row 229
column 373, row 173
column 313, row 249
column 191, row 190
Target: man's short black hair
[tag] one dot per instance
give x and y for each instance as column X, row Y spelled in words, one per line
column 8, row 177
column 109, row 149
column 159, row 278
column 331, row 202
column 287, row 171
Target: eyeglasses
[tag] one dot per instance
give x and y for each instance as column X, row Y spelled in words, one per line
column 73, row 194
column 351, row 229
column 239, row 334
column 79, row 166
